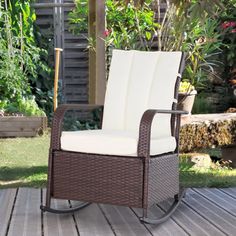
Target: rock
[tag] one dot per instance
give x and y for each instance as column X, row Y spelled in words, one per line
column 197, row 160
column 207, row 131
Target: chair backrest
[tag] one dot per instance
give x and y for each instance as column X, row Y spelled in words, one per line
column 139, row 81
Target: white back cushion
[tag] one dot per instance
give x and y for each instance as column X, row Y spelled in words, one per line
column 139, row 81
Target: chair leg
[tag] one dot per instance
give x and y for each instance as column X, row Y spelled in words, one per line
column 170, row 211
column 64, row 211
column 47, row 206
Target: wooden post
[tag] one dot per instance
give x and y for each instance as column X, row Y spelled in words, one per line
column 100, row 52
column 56, row 78
column 92, row 53
column 97, row 66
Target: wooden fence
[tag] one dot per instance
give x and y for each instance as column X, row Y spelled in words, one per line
column 52, row 19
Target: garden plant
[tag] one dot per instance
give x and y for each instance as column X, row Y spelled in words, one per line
column 24, row 71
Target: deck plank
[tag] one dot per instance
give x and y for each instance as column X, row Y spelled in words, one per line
column 91, row 221
column 168, row 228
column 188, row 219
column 124, row 221
column 203, row 212
column 211, row 212
column 58, row 225
column 220, row 198
column 26, row 218
column 229, row 191
column 7, row 197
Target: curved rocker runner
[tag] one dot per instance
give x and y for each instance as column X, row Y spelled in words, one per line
column 64, row 211
column 168, row 213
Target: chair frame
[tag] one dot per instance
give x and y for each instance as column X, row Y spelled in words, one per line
column 120, row 180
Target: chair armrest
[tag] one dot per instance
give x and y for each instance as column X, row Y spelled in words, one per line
column 145, row 129
column 58, row 118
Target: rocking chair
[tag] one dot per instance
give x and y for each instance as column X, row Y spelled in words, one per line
column 133, row 159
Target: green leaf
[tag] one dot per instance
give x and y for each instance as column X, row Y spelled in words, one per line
column 148, row 35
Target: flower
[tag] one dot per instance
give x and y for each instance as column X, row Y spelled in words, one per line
column 233, row 31
column 185, row 87
column 228, row 24
column 106, row 33
column 232, row 23
column 201, row 40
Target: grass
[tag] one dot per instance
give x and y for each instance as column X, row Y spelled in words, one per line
column 217, row 175
column 209, row 178
column 23, row 162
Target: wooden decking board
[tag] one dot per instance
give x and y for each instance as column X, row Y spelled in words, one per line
column 59, row 225
column 26, row 216
column 90, row 221
column 168, row 228
column 7, row 198
column 191, row 222
column 212, row 213
column 202, row 212
column 124, row 221
column 221, row 199
column 230, row 191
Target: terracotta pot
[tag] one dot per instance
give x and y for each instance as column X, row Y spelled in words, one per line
column 186, row 100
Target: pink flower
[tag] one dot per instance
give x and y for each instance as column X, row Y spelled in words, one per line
column 232, row 23
column 106, row 33
column 228, row 24
column 233, row 31
column 225, row 25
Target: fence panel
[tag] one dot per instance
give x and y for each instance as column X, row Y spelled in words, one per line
column 52, row 19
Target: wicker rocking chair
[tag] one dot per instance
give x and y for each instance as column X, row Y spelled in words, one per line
column 133, row 160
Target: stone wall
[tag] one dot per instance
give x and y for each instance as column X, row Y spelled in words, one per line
column 207, row 131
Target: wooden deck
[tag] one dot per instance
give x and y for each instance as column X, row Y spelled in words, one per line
column 202, row 212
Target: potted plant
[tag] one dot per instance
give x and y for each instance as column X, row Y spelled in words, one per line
column 186, row 96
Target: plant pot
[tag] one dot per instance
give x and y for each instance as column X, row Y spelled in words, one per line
column 186, row 100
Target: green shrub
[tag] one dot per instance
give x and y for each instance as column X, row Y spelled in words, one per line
column 128, row 27
column 27, row 107
column 21, row 60
column 227, row 29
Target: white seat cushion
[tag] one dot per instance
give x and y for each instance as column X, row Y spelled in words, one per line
column 112, row 142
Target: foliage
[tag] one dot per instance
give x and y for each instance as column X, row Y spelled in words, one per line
column 27, row 107
column 190, row 26
column 79, row 17
column 128, row 27
column 72, row 122
column 227, row 29
column 21, row 61
column 203, row 46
